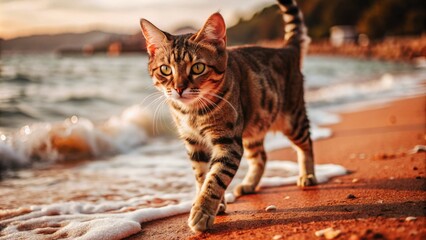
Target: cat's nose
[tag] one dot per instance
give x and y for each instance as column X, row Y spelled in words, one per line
column 180, row 90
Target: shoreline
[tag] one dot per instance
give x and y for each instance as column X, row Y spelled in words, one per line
column 396, row 49
column 372, row 201
column 408, row 49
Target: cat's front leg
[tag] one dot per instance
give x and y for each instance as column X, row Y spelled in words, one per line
column 200, row 158
column 226, row 156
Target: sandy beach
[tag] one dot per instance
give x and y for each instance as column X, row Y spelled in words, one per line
column 383, row 196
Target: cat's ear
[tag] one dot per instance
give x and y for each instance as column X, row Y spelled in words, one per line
column 154, row 37
column 214, row 30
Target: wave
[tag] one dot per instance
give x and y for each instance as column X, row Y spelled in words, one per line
column 21, row 79
column 83, row 98
column 388, row 87
column 75, row 138
column 10, row 112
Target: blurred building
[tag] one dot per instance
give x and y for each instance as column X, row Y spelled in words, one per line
column 340, row 35
column 112, row 46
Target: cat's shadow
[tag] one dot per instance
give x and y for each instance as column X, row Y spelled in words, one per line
column 323, row 213
column 398, row 208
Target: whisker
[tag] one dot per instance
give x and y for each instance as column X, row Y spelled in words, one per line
column 206, row 103
column 157, row 102
column 155, row 125
column 159, row 98
column 168, row 125
column 163, row 121
column 150, row 95
column 230, row 104
column 203, row 106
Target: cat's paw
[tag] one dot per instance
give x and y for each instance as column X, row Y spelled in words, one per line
column 222, row 207
column 307, row 180
column 244, row 189
column 199, row 220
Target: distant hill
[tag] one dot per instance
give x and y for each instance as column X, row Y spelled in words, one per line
column 266, row 24
column 376, row 18
column 50, row 43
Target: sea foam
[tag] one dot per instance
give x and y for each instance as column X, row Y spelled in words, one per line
column 169, row 190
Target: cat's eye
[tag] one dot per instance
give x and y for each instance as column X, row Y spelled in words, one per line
column 198, row 68
column 165, row 70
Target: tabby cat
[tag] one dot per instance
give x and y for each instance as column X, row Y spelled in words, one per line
column 224, row 100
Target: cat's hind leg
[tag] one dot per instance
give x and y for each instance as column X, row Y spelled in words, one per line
column 256, row 157
column 222, row 206
column 305, row 160
column 298, row 133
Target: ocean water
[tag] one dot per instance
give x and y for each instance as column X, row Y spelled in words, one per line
column 60, row 108
column 105, row 110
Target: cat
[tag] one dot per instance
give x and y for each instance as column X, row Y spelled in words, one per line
column 224, row 101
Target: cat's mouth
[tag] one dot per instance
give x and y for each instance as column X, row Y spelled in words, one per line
column 186, row 99
column 185, row 96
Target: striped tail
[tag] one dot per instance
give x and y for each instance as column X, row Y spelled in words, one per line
column 295, row 32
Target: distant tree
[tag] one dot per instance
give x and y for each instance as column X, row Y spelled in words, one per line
column 321, row 15
column 394, row 17
column 266, row 24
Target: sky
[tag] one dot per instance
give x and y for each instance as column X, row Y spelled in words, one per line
column 28, row 17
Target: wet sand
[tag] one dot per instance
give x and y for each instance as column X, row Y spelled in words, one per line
column 386, row 184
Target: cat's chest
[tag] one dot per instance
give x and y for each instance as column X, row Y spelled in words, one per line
column 189, row 125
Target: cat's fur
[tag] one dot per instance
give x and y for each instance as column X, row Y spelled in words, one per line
column 242, row 93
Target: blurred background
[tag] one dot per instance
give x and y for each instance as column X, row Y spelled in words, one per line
column 112, row 27
column 74, row 81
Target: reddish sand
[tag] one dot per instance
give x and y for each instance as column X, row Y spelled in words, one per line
column 386, row 185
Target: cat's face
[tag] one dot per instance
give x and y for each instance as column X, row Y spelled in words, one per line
column 188, row 68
